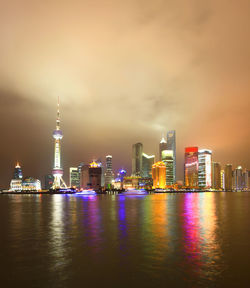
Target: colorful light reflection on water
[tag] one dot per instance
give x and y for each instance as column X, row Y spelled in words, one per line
column 190, row 239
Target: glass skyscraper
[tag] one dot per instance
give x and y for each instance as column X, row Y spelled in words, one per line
column 191, row 167
column 137, row 159
column 168, row 160
column 205, row 167
column 171, row 145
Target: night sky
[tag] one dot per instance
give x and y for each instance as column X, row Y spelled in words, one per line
column 126, row 72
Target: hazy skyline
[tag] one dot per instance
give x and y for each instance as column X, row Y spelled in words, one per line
column 126, row 72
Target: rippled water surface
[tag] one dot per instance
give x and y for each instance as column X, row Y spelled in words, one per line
column 161, row 240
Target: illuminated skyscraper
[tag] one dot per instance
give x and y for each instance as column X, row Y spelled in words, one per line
column 162, row 147
column 222, row 179
column 137, row 159
column 238, row 179
column 18, row 171
column 228, row 177
column 16, row 182
column 191, row 167
column 205, row 167
column 57, row 171
column 171, row 145
column 109, row 174
column 159, row 175
column 74, row 177
column 168, row 159
column 216, row 176
column 95, row 175
column 147, row 162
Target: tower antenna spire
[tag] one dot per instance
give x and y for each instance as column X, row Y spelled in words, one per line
column 57, row 169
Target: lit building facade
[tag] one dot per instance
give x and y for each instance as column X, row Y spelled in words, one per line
column 222, row 179
column 95, row 175
column 238, row 179
column 171, row 145
column 162, row 147
column 57, row 171
column 159, row 175
column 191, row 167
column 16, row 182
column 147, row 162
column 74, row 177
column 228, row 177
column 205, row 167
column 109, row 174
column 137, row 159
column 216, row 176
column 31, row 184
column 131, row 182
column 168, row 159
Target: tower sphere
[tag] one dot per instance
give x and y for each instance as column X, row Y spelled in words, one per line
column 57, row 134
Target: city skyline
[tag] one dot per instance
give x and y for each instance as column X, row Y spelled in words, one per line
column 125, row 73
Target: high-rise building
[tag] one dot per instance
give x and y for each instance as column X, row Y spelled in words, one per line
column 84, row 177
column 216, row 176
column 74, row 177
column 137, row 159
column 147, row 162
column 168, row 159
column 162, row 147
column 246, row 178
column 228, row 177
column 109, row 174
column 48, row 181
column 95, row 175
column 205, row 167
column 16, row 182
column 57, row 171
column 18, row 171
column 171, row 145
column 238, row 179
column 191, row 167
column 159, row 175
column 222, row 179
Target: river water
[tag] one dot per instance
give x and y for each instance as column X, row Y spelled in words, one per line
column 157, row 240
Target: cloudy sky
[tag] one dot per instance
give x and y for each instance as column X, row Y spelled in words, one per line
column 126, row 72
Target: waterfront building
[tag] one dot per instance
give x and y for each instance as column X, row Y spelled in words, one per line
column 222, row 179
column 191, row 167
column 84, row 177
column 95, row 175
column 162, row 147
column 238, row 179
column 16, row 184
column 168, row 159
column 131, row 182
column 31, row 184
column 159, row 175
column 48, row 181
column 74, row 177
column 171, row 145
column 109, row 174
column 205, row 167
column 57, row 171
column 147, row 162
column 228, row 177
column 216, row 176
column 137, row 159
column 146, row 182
